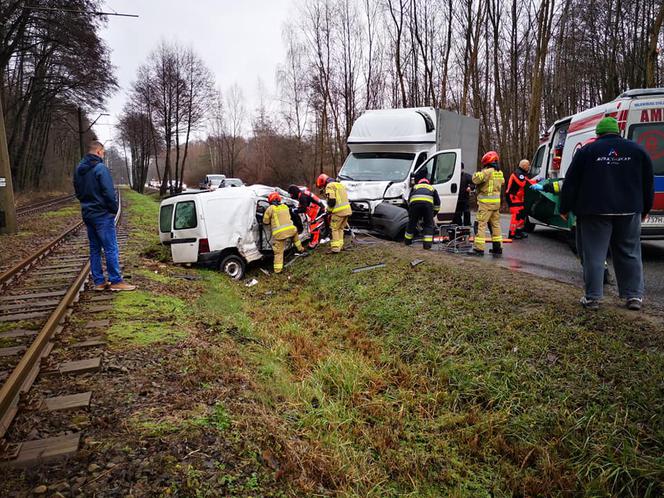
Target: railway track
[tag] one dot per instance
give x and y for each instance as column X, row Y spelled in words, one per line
column 43, row 206
column 36, row 298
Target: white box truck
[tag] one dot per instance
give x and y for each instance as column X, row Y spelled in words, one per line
column 388, row 146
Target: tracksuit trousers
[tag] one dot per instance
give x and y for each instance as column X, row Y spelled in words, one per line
column 622, row 233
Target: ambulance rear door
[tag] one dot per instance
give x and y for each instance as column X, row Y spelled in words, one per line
column 645, row 125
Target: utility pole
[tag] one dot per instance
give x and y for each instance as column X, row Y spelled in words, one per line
column 81, row 145
column 7, row 206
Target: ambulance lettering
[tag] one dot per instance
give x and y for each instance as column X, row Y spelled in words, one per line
column 652, row 115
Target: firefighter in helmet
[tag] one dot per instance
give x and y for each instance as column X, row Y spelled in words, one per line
column 515, row 194
column 312, row 207
column 339, row 208
column 423, row 204
column 489, row 181
column 278, row 216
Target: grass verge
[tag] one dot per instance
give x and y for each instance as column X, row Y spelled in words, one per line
column 433, row 381
column 448, row 379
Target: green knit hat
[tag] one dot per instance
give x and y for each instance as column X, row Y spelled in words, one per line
column 607, row 125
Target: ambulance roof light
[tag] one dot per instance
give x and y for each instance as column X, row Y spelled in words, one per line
column 638, row 92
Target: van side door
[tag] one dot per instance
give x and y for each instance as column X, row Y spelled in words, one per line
column 186, row 231
column 443, row 170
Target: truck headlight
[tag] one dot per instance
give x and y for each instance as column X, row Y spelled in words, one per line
column 396, row 190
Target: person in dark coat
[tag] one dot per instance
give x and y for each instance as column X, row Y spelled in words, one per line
column 610, row 188
column 462, row 211
column 94, row 189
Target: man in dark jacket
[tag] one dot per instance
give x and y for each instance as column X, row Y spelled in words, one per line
column 94, row 189
column 609, row 187
column 462, row 211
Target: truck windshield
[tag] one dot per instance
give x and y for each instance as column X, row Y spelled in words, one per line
column 377, row 166
column 651, row 136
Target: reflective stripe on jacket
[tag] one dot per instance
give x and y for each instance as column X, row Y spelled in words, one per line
column 489, row 181
column 423, row 192
column 337, row 191
column 280, row 220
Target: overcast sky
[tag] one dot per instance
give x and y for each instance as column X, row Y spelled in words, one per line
column 239, row 40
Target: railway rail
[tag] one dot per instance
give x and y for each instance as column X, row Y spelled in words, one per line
column 36, row 297
column 38, row 207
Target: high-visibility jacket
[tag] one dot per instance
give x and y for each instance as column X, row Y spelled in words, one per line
column 516, row 187
column 489, row 182
column 423, row 192
column 337, row 192
column 279, row 217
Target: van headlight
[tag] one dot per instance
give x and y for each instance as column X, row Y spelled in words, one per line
column 395, row 191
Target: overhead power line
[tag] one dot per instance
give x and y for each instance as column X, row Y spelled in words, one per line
column 74, row 11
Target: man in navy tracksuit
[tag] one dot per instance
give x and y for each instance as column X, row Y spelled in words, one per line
column 94, row 189
column 610, row 188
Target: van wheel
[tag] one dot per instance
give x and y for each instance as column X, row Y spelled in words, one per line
column 529, row 227
column 233, row 266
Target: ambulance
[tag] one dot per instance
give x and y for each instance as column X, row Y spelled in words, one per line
column 640, row 115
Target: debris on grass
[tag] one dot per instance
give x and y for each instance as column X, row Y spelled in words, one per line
column 416, row 262
column 367, row 268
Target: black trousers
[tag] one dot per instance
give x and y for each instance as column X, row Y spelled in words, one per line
column 420, row 211
column 462, row 215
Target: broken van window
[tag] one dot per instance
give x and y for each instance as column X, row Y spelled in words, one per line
column 185, row 215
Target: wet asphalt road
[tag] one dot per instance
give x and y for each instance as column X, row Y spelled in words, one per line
column 546, row 253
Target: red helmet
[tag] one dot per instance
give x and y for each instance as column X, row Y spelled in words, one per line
column 322, row 180
column 490, row 158
column 274, row 197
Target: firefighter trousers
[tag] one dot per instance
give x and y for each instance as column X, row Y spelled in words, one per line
column 420, row 211
column 337, row 225
column 518, row 219
column 279, row 247
column 488, row 216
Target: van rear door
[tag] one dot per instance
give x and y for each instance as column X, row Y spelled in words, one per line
column 444, row 172
column 166, row 222
column 186, row 231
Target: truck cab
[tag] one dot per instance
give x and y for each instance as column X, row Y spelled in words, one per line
column 388, row 146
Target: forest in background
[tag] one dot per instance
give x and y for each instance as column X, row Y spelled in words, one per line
column 54, row 71
column 516, row 66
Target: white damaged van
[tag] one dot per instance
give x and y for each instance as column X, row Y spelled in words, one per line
column 221, row 229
